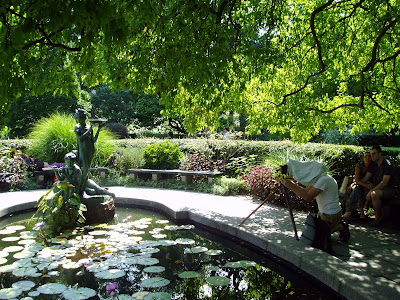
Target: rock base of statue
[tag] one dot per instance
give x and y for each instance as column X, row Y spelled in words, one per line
column 100, row 208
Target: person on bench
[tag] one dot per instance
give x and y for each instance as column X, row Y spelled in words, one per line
column 359, row 189
column 384, row 183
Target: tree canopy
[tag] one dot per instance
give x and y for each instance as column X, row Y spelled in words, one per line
column 298, row 65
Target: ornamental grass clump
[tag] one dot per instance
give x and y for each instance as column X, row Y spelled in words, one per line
column 54, row 136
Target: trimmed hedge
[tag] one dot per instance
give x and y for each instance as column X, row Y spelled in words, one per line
column 342, row 158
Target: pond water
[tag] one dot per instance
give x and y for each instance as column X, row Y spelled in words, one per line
column 139, row 255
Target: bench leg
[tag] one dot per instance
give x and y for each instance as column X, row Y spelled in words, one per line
column 210, row 179
column 156, row 176
column 39, row 178
column 187, row 179
column 133, row 176
column 103, row 175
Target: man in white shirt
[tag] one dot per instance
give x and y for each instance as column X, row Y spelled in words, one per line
column 321, row 186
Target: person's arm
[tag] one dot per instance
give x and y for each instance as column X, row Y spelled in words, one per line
column 308, row 193
column 362, row 183
column 381, row 185
column 84, row 135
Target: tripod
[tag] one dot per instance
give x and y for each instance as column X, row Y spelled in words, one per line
column 287, row 203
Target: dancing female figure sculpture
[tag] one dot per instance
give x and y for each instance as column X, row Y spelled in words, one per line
column 86, row 149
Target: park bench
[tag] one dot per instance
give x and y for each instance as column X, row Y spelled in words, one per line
column 48, row 173
column 4, row 185
column 186, row 176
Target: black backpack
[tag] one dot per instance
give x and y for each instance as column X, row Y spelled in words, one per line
column 317, row 234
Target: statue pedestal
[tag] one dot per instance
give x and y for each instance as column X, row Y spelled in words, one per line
column 100, row 208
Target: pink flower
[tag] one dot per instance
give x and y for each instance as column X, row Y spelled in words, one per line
column 112, row 286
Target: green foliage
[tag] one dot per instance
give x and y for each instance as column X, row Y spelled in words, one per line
column 242, row 164
column 27, row 110
column 61, row 208
column 131, row 158
column 53, row 137
column 126, row 107
column 297, row 66
column 228, row 186
column 164, row 155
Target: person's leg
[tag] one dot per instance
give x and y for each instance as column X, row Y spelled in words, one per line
column 376, row 197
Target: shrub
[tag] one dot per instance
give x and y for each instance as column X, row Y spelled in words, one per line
column 118, row 129
column 162, row 156
column 130, row 158
column 228, row 186
column 16, row 168
column 262, row 181
column 53, row 137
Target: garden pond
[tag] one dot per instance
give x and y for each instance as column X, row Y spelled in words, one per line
column 139, row 255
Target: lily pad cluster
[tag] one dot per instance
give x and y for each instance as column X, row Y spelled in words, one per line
column 106, row 253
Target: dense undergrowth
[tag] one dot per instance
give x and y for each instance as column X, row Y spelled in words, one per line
column 248, row 166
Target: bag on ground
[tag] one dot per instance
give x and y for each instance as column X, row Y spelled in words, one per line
column 317, row 234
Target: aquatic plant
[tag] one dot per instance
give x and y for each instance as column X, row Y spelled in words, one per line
column 61, row 208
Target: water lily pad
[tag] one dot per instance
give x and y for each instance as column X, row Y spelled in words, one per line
column 7, row 231
column 27, row 298
column 213, row 252
column 34, row 293
column 10, row 239
column 189, row 274
column 26, row 242
column 52, row 288
column 13, row 248
column 150, row 250
column 185, row 241
column 154, row 269
column 24, row 272
column 110, row 274
column 23, row 254
column 15, row 227
column 218, row 280
column 140, row 295
column 211, row 268
column 70, row 265
column 10, row 293
column 78, row 293
column 197, row 249
column 159, row 236
column 154, row 282
column 166, row 243
column 3, row 260
column 99, row 232
column 162, row 221
column 147, row 261
column 158, row 296
column 24, row 285
column 4, row 254
column 28, row 234
column 240, row 264
column 7, row 268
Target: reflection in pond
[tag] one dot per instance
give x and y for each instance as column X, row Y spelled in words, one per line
column 140, row 254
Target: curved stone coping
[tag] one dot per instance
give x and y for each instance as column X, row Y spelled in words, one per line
column 270, row 229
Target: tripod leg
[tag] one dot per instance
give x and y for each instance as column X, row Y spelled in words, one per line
column 290, row 212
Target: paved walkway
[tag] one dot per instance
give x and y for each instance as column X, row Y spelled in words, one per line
column 367, row 267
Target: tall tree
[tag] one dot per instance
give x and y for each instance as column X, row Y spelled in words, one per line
column 298, row 65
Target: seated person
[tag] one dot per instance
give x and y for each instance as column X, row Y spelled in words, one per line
column 358, row 191
column 72, row 173
column 384, row 186
column 323, row 188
